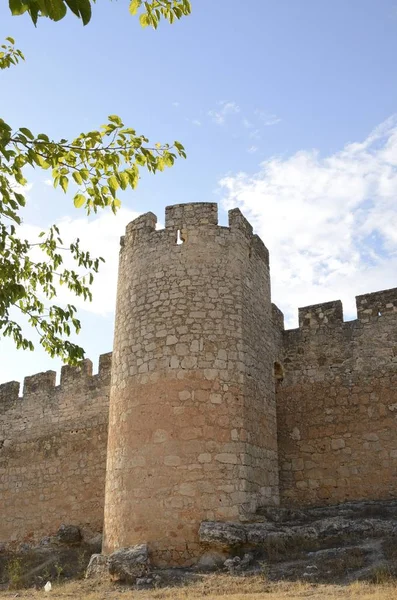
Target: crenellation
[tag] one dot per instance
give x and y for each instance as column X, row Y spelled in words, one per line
column 76, row 375
column 142, row 225
column 43, row 385
column 277, row 317
column 40, row 383
column 238, row 221
column 191, row 215
column 377, row 304
column 9, row 394
column 105, row 366
column 324, row 314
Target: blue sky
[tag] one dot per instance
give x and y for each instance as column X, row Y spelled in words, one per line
column 286, row 110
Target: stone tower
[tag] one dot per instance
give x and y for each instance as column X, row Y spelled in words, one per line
column 192, row 425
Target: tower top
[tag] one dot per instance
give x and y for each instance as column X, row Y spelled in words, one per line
column 188, row 223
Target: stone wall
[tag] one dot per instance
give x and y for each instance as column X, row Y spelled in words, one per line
column 192, row 426
column 53, row 452
column 337, row 404
column 215, row 409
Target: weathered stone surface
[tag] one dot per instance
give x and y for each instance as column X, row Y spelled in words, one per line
column 95, row 543
column 231, row 564
column 337, row 525
column 55, row 447
column 98, row 567
column 192, row 408
column 237, row 564
column 69, row 534
column 337, row 543
column 337, row 431
column 210, row 561
column 224, row 535
column 127, row 564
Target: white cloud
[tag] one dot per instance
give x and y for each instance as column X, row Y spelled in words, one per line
column 225, row 109
column 196, row 122
column 267, row 118
column 255, row 134
column 176, row 104
column 247, row 124
column 330, row 223
column 252, row 149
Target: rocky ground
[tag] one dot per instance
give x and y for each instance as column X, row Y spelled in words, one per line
column 213, row 587
column 344, row 543
column 61, row 557
column 335, row 545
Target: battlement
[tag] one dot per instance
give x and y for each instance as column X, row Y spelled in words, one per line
column 277, row 317
column 316, row 315
column 195, row 214
column 377, row 304
column 370, row 307
column 42, row 386
column 189, row 223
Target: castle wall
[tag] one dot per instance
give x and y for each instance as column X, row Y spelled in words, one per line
column 53, row 452
column 215, row 410
column 337, row 404
column 192, row 382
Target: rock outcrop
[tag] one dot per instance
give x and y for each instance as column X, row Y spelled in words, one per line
column 129, row 564
column 350, row 541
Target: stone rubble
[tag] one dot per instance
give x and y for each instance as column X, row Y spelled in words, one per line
column 129, row 564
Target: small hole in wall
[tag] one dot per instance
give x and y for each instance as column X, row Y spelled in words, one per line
column 278, row 372
column 179, row 238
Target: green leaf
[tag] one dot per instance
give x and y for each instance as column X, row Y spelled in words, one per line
column 55, row 9
column 64, row 181
column 27, row 132
column 134, row 5
column 124, row 180
column 81, row 8
column 113, row 184
column 17, row 7
column 115, row 119
column 77, row 177
column 20, row 199
column 39, row 160
column 168, row 160
column 144, row 20
column 79, row 200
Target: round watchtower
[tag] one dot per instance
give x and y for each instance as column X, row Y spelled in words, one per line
column 192, row 426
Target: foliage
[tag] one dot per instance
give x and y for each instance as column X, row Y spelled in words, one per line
column 153, row 11
column 9, row 55
column 98, row 162
column 150, row 12
column 15, row 573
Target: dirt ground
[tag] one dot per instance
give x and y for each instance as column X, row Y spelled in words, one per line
column 213, row 587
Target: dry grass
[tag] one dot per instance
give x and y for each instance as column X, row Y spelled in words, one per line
column 214, row 587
